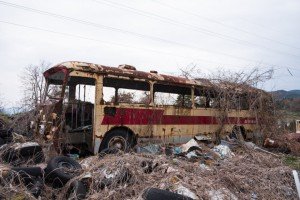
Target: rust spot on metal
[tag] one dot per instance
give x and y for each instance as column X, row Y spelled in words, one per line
column 123, row 70
column 153, row 72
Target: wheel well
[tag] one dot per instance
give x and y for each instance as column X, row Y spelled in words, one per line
column 123, row 128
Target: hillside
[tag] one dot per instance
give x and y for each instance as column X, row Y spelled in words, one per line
column 283, row 94
column 288, row 101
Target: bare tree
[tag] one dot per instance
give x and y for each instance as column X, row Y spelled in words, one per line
column 33, row 83
column 228, row 90
column 124, row 97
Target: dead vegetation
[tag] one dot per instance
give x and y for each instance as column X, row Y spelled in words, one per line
column 247, row 175
column 243, row 176
column 239, row 91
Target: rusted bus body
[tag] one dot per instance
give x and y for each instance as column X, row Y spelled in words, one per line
column 167, row 123
column 174, row 125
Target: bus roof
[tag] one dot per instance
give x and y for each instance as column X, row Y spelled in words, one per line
column 131, row 72
column 123, row 70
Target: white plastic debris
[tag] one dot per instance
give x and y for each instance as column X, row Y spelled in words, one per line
column 180, row 189
column 203, row 138
column 26, row 144
column 221, row 194
column 224, row 151
column 191, row 154
column 185, row 147
column 87, row 175
column 171, row 169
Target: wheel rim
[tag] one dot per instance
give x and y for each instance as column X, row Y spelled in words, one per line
column 117, row 142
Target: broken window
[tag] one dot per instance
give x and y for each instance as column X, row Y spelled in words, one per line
column 80, row 108
column 172, row 95
column 200, row 98
column 244, row 103
column 126, row 91
column 205, row 98
column 108, row 93
column 54, row 91
column 85, row 93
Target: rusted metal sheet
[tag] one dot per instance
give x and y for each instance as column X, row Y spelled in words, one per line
column 122, row 70
column 131, row 72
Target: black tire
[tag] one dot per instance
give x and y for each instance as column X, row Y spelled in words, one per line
column 104, row 152
column 28, row 174
column 5, row 133
column 158, row 194
column 61, row 169
column 30, row 155
column 2, row 142
column 77, row 190
column 117, row 139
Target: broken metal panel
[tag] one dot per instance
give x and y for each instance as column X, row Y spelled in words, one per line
column 123, row 70
column 130, row 72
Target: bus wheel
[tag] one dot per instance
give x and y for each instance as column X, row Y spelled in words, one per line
column 117, row 139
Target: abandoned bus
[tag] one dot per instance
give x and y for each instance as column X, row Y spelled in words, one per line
column 94, row 107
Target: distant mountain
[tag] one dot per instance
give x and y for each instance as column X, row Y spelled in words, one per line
column 283, row 94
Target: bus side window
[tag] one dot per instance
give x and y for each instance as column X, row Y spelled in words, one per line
column 244, row 103
column 203, row 98
column 126, row 91
column 200, row 101
column 171, row 95
column 131, row 96
column 108, row 92
column 85, row 93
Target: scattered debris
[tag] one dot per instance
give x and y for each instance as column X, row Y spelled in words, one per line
column 297, row 182
column 221, row 194
column 180, row 189
column 224, row 151
column 195, row 172
column 286, row 143
column 192, row 143
column 152, row 149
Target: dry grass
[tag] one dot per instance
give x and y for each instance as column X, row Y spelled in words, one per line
column 247, row 174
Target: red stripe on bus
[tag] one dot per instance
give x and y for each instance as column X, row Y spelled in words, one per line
column 131, row 116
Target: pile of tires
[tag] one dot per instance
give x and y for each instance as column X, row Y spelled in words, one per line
column 60, row 170
column 58, row 173
column 25, row 153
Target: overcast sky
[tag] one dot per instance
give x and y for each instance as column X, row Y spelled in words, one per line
column 161, row 35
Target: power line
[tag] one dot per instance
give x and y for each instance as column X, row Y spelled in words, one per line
column 106, row 42
column 192, row 27
column 269, row 28
column 62, row 17
column 223, row 24
column 117, row 44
